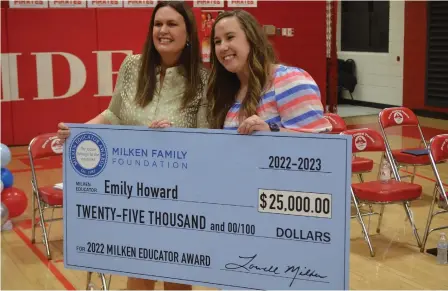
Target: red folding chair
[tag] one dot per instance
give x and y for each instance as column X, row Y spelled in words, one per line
column 400, row 117
column 46, row 197
column 360, row 165
column 380, row 192
column 336, row 121
column 438, row 153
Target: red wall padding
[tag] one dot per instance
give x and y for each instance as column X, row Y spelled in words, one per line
column 69, row 31
column 7, row 125
column 121, row 29
column 82, row 32
column 307, row 49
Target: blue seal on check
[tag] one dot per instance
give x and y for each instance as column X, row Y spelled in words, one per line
column 88, row 154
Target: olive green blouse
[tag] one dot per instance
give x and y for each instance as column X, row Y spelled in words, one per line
column 166, row 103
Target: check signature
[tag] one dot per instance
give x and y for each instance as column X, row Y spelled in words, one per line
column 297, row 271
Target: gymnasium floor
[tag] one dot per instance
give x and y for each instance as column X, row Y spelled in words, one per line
column 398, row 263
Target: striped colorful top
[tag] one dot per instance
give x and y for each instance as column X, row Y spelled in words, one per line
column 293, row 102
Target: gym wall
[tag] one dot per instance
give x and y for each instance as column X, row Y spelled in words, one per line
column 396, row 77
column 60, row 64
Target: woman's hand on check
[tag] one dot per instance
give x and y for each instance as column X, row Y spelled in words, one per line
column 161, row 124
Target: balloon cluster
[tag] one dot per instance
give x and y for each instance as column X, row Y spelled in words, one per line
column 13, row 200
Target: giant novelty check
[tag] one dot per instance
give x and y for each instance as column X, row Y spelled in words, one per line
column 208, row 207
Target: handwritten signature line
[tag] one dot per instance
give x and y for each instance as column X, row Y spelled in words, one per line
column 285, row 277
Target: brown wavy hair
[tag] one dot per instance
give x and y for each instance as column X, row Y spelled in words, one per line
column 224, row 85
column 190, row 59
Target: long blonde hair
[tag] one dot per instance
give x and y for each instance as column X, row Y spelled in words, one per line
column 224, row 85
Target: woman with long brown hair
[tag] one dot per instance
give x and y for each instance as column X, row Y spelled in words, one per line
column 165, row 85
column 248, row 91
column 162, row 87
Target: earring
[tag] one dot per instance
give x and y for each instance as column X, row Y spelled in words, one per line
column 187, row 44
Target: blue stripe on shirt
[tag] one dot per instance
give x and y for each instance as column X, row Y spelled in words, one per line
column 303, row 117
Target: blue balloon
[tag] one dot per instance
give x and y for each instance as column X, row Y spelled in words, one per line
column 7, row 178
column 5, row 155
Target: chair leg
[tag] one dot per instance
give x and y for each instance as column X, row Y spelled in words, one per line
column 103, row 282
column 89, row 281
column 429, row 220
column 413, row 174
column 44, row 230
column 361, row 221
column 108, row 282
column 361, row 179
column 383, row 155
column 443, row 201
column 411, row 220
column 33, row 218
column 380, row 219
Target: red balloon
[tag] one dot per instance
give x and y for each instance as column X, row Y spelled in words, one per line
column 16, row 201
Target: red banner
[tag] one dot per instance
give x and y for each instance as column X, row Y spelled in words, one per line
column 207, row 19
